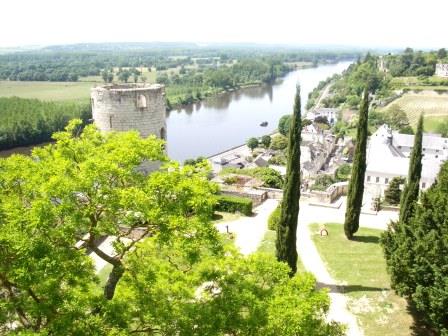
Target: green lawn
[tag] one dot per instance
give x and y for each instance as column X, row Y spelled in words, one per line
column 431, row 124
column 267, row 245
column 360, row 268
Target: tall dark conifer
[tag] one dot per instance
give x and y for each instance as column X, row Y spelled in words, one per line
column 286, row 249
column 356, row 186
column 412, row 187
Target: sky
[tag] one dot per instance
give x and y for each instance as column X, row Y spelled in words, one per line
column 360, row 23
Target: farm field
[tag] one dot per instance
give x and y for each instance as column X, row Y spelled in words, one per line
column 434, row 105
column 47, row 91
column 58, row 91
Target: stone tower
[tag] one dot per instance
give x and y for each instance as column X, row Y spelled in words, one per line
column 130, row 107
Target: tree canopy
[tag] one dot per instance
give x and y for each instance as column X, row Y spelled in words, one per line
column 171, row 272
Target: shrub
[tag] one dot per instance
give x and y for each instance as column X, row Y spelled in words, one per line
column 233, row 204
column 230, row 179
column 279, row 142
column 343, row 172
column 322, row 182
column 274, row 218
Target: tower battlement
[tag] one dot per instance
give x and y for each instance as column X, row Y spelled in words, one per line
column 124, row 107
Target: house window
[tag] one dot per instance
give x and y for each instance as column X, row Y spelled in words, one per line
column 423, row 185
column 437, row 156
column 368, row 178
column 386, row 180
column 377, row 180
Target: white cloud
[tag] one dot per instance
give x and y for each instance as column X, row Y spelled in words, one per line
column 345, row 22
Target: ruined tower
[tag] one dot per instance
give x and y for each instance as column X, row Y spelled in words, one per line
column 127, row 107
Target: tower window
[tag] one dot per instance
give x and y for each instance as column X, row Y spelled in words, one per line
column 163, row 133
column 141, row 103
column 110, row 121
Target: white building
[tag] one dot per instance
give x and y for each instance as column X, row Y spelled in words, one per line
column 330, row 113
column 442, row 70
column 388, row 157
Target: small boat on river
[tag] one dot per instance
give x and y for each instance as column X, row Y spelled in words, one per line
column 264, row 124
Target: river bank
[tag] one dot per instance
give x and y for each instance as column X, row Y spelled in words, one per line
column 227, row 120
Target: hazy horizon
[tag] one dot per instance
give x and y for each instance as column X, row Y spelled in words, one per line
column 344, row 23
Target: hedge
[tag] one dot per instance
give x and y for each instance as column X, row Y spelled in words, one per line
column 274, row 218
column 233, row 204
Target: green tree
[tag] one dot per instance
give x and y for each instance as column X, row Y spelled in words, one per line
column 396, row 117
column 124, row 75
column 279, row 142
column 252, row 143
column 286, row 250
column 284, row 124
column 412, row 187
column 442, row 128
column 417, row 254
column 266, row 141
column 441, row 53
column 356, row 186
column 170, row 272
column 392, row 194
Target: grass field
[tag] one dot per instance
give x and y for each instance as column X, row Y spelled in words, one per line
column 49, row 91
column 360, row 268
column 58, row 91
column 434, row 105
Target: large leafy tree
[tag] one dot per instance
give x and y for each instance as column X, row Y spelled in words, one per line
column 417, row 255
column 412, row 187
column 287, row 228
column 170, row 272
column 356, row 186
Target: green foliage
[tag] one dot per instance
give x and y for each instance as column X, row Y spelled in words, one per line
column 252, row 143
column 193, row 162
column 285, row 245
column 412, row 187
column 270, row 177
column 356, row 185
column 284, row 124
column 417, row 254
column 392, row 194
column 266, row 141
column 396, row 117
column 343, row 172
column 233, row 204
column 411, row 63
column 175, row 279
column 274, row 218
column 278, row 159
column 279, row 142
column 442, row 128
column 30, row 121
column 349, row 87
column 207, row 296
column 322, row 182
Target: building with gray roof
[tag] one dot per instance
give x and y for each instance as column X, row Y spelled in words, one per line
column 388, row 157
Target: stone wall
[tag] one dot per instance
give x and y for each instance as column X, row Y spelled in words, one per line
column 130, row 107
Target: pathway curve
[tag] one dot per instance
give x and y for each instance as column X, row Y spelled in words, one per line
column 249, row 231
column 313, row 263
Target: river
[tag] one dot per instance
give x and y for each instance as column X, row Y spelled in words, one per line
column 228, row 120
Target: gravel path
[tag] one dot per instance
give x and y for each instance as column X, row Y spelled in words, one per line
column 249, row 231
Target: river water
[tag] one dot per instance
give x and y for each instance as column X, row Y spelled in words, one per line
column 228, row 120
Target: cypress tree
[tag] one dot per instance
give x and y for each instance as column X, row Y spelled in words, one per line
column 285, row 244
column 356, row 186
column 412, row 187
